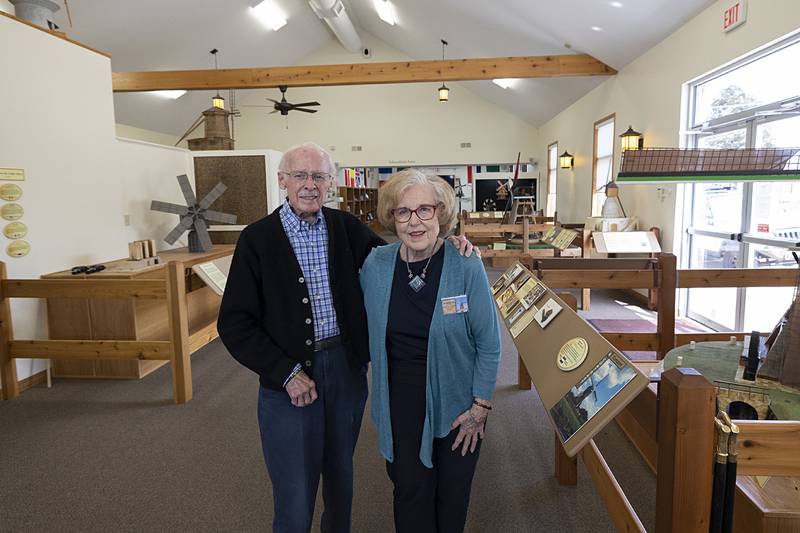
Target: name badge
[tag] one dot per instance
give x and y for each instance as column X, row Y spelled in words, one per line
column 455, row 304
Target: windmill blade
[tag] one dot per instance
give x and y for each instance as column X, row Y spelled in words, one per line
column 186, row 189
column 166, row 207
column 305, row 104
column 177, row 231
column 304, row 110
column 201, row 229
column 218, row 216
column 212, row 196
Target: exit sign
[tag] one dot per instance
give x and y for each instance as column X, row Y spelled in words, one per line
column 734, row 15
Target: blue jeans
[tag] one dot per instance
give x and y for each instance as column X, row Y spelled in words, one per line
column 302, row 443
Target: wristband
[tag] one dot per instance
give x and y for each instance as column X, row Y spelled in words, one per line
column 479, row 404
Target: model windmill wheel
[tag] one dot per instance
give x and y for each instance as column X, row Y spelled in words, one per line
column 194, row 215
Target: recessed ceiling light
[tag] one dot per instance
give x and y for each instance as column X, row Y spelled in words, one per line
column 385, row 11
column 170, row 94
column 270, row 15
column 616, row 4
column 505, row 83
column 597, row 28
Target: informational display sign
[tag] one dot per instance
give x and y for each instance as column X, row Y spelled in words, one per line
column 582, row 380
column 626, row 242
column 559, row 237
column 214, row 273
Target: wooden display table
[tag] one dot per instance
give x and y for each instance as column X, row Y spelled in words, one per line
column 130, row 318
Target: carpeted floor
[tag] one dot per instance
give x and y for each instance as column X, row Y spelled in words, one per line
column 120, row 456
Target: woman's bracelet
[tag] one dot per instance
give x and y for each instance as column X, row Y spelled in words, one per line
column 484, row 405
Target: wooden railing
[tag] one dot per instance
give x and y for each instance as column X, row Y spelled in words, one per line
column 176, row 350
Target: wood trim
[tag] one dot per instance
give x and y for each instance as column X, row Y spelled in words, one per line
column 58, row 35
column 483, row 229
column 647, row 342
column 686, row 338
column 88, row 349
column 203, row 336
column 547, row 174
column 364, row 73
column 601, row 122
column 31, row 381
column 83, row 288
column 737, row 277
column 665, row 319
column 599, row 279
column 768, row 448
column 619, row 508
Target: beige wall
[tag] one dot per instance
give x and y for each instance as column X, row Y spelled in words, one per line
column 647, row 95
column 80, row 181
column 395, row 124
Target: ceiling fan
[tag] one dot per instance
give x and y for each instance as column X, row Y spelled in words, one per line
column 284, row 107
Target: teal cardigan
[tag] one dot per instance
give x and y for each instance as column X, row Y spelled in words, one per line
column 463, row 349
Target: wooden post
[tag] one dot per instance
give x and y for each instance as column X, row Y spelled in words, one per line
column 8, row 365
column 685, row 444
column 179, row 333
column 666, row 304
column 652, row 294
column 526, row 237
column 566, row 466
column 523, row 378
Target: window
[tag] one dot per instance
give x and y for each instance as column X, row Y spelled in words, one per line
column 602, row 162
column 752, row 103
column 552, row 179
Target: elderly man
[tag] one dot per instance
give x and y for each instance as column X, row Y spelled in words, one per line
column 293, row 313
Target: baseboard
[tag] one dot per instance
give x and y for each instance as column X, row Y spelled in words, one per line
column 32, row 381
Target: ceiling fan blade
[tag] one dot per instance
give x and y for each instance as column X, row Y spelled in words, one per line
column 186, row 189
column 304, row 110
column 305, row 104
column 201, row 229
column 212, row 196
column 272, row 112
column 177, row 231
column 218, row 216
column 253, row 105
column 273, row 101
column 165, row 207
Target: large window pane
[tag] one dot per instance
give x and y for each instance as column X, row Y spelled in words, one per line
column 718, row 206
column 716, row 306
column 605, row 139
column 765, row 80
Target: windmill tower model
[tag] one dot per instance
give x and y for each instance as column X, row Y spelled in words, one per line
column 194, row 215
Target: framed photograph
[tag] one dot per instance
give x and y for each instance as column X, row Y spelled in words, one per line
column 589, row 395
column 515, row 313
column 547, row 313
column 530, row 292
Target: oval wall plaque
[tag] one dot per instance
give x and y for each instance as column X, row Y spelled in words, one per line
column 572, row 354
column 11, row 211
column 10, row 192
column 18, row 248
column 15, row 230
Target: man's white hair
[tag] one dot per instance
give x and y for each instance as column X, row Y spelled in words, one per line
column 288, row 155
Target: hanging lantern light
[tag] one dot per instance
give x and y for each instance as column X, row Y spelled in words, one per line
column 444, row 92
column 566, row 160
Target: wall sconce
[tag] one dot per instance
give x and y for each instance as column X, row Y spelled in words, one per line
column 566, row 160
column 444, row 92
column 632, row 140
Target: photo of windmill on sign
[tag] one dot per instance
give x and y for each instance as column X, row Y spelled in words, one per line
column 194, row 215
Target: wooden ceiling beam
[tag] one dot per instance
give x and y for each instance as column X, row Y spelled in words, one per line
column 364, row 73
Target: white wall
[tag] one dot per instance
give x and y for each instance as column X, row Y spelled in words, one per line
column 132, row 132
column 647, row 95
column 401, row 124
column 80, row 180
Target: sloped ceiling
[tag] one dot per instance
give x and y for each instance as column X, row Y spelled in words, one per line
column 177, row 34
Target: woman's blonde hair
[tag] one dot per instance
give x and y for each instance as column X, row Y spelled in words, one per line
column 393, row 190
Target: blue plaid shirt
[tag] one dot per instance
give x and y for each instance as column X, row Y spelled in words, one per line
column 310, row 245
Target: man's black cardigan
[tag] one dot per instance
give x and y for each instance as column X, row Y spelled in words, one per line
column 265, row 319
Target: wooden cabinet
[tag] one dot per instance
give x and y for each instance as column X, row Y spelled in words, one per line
column 128, row 318
column 361, row 202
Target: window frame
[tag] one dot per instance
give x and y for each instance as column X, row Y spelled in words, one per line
column 612, row 118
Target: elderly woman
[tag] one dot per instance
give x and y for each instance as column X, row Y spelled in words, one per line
column 435, row 349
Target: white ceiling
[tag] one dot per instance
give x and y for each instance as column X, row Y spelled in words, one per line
column 177, row 34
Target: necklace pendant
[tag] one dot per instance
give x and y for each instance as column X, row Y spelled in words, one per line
column 417, row 283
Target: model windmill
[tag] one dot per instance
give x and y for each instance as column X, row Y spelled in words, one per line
column 194, row 215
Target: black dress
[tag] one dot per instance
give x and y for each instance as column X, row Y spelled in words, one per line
column 425, row 500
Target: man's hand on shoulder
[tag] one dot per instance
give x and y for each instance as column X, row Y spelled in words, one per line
column 302, row 390
column 463, row 245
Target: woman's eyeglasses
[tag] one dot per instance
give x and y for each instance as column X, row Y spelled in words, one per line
column 424, row 212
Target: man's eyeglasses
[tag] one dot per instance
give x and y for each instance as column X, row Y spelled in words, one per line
column 301, row 176
column 424, row 212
